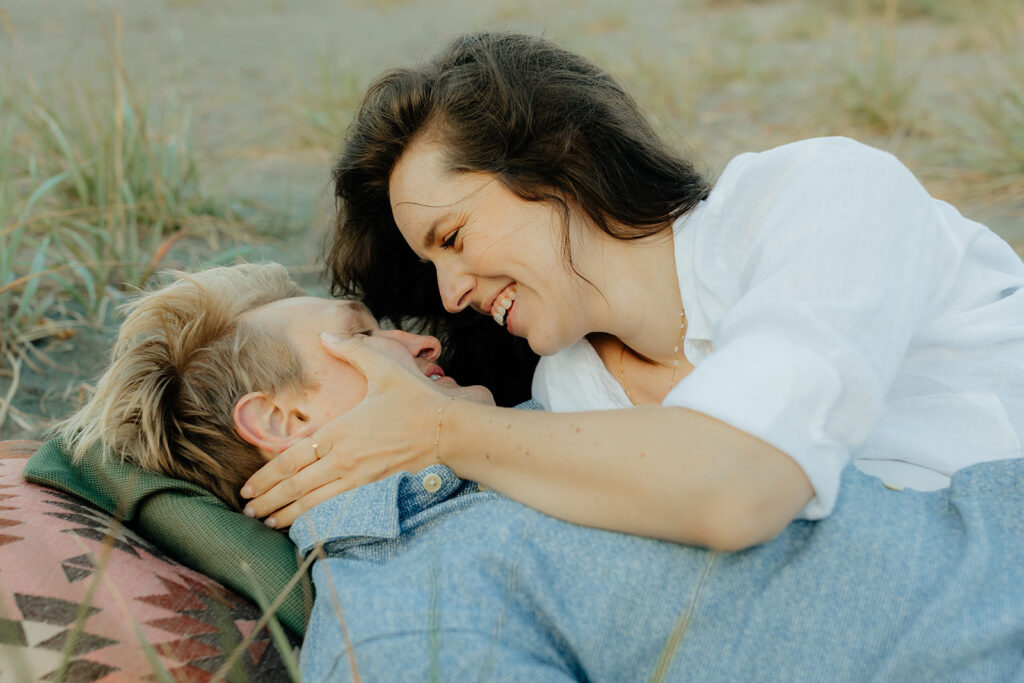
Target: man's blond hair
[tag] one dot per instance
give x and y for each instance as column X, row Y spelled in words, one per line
column 183, row 357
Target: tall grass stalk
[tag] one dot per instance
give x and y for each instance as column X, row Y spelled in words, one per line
column 15, row 659
column 5, row 402
column 159, row 671
column 284, row 647
column 67, row 652
column 268, row 614
column 683, row 623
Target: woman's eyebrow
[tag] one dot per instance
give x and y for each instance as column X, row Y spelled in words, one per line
column 430, row 239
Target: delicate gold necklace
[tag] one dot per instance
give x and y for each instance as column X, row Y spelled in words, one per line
column 675, row 362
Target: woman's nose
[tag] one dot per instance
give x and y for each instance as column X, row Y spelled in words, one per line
column 419, row 345
column 456, row 288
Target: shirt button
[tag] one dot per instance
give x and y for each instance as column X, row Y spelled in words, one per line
column 431, row 483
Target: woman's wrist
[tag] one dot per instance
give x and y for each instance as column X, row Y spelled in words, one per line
column 437, row 432
column 454, row 450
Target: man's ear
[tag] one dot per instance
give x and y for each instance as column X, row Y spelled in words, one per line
column 270, row 423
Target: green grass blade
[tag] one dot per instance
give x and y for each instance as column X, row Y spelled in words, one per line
column 68, row 152
column 38, row 264
column 41, row 192
column 284, row 646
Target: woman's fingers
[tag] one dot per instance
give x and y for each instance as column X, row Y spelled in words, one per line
column 282, row 466
column 287, row 515
column 355, row 351
column 364, row 358
column 354, row 449
column 283, row 476
column 292, row 496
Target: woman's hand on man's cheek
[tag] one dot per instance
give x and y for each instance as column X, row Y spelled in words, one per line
column 389, row 431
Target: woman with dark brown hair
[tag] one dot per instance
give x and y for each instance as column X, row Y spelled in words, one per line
column 812, row 308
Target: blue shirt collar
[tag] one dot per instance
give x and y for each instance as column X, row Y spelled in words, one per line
column 376, row 511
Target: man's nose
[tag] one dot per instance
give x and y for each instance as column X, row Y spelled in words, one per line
column 456, row 288
column 419, row 345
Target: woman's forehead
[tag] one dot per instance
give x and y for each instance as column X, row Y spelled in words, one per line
column 417, row 174
column 424, row 180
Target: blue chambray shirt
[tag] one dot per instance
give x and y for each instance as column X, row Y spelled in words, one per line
column 429, row 578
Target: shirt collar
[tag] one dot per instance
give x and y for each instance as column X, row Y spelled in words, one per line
column 376, row 511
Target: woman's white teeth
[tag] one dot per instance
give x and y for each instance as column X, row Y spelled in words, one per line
column 501, row 306
column 436, row 377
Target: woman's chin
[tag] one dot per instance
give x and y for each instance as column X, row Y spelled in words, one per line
column 540, row 343
column 545, row 345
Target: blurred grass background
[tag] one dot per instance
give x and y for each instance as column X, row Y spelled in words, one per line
column 167, row 133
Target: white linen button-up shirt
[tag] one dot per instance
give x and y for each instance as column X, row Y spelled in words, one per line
column 838, row 312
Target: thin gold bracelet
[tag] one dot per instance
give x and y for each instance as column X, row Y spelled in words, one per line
column 437, row 434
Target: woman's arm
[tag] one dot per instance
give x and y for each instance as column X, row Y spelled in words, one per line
column 668, row 473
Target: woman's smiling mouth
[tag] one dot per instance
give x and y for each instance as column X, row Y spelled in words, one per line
column 503, row 303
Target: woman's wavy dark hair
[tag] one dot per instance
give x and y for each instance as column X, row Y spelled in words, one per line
column 549, row 125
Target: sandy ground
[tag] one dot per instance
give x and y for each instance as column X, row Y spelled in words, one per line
column 721, row 77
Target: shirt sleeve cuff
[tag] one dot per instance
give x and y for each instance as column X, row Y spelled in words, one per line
column 780, row 393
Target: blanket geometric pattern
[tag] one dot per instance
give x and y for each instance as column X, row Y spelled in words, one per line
column 83, row 594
